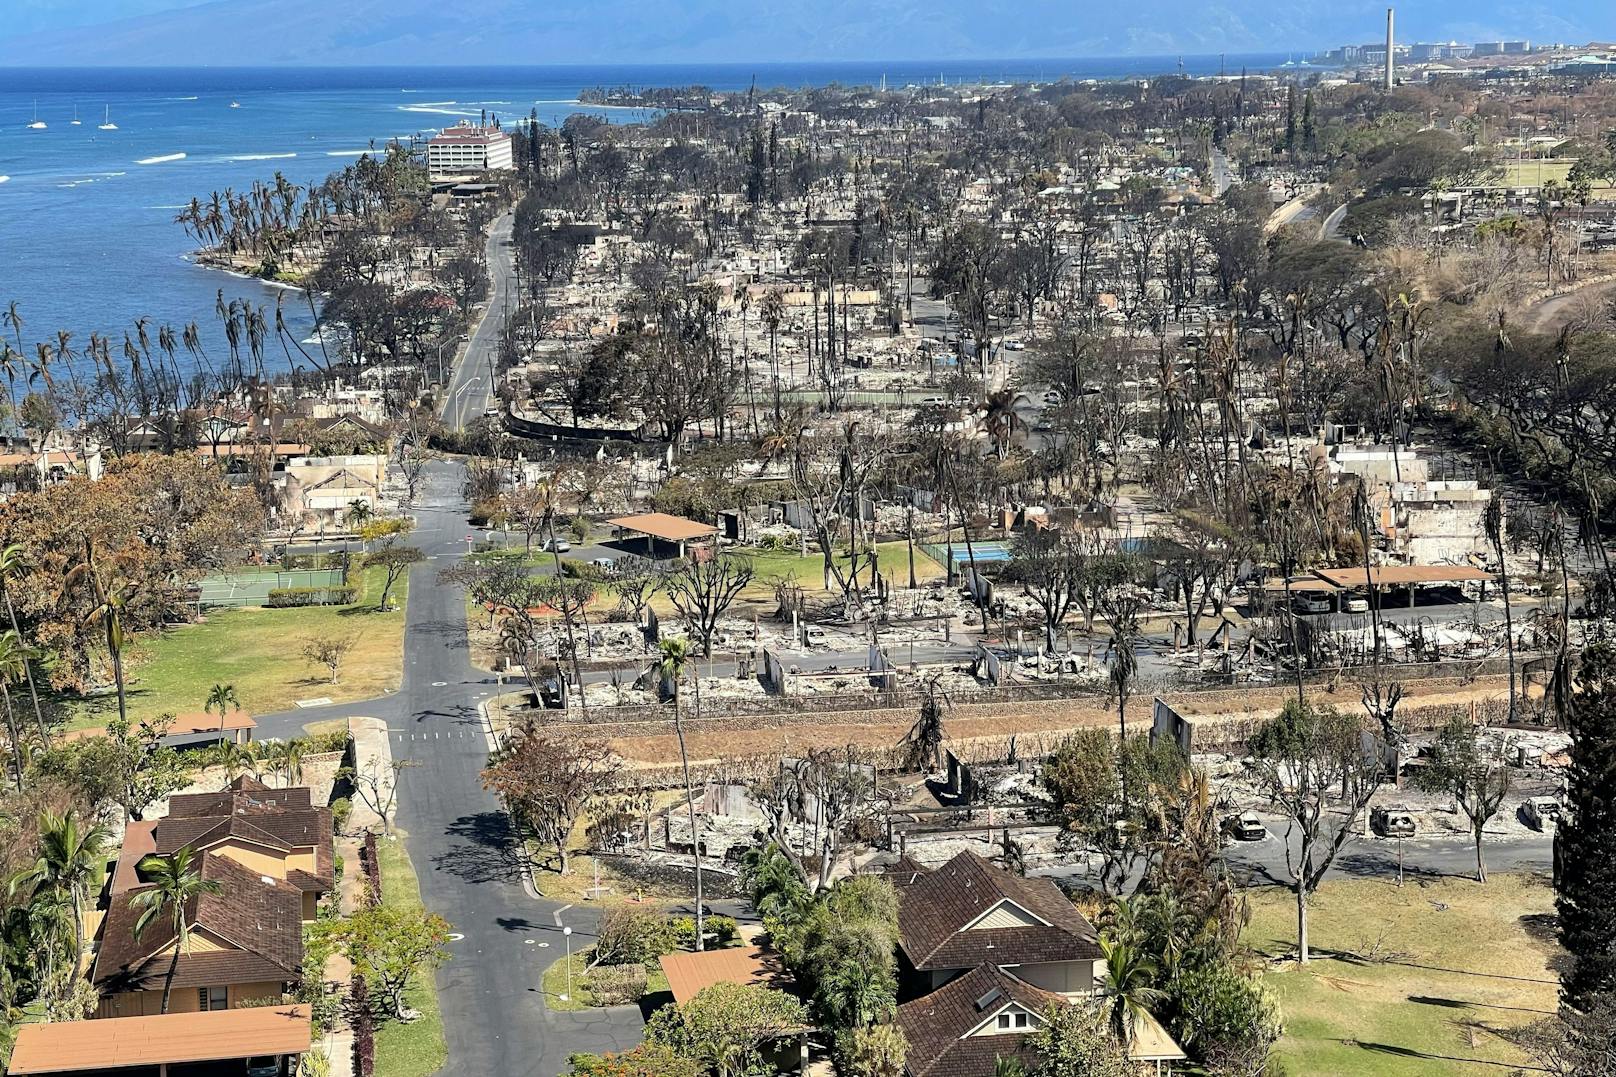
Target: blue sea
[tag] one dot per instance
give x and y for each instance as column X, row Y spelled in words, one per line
column 88, row 241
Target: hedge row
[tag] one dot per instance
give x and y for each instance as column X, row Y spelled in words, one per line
column 289, row 597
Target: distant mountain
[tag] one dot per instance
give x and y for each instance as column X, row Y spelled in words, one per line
column 366, row 32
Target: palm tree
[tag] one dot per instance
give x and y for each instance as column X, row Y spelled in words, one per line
column 677, row 654
column 70, row 861
column 236, row 759
column 1127, row 990
column 11, row 562
column 14, row 656
column 221, row 696
column 175, row 883
column 111, row 595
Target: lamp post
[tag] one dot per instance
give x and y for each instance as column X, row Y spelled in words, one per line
column 566, row 933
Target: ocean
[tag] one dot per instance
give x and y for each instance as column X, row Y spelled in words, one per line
column 88, row 241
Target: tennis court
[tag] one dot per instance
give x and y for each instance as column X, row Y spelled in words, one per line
column 251, row 588
column 987, row 553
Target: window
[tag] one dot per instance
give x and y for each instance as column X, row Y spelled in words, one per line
column 213, row 998
column 1004, row 1021
column 1021, row 1020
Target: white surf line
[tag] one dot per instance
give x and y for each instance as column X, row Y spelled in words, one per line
column 162, row 159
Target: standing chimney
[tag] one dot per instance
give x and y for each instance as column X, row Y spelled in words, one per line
column 1390, row 63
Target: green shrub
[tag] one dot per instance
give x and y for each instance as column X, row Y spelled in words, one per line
column 630, row 933
column 617, row 985
column 341, row 810
column 583, row 570
column 291, row 597
column 1221, row 1010
column 721, row 928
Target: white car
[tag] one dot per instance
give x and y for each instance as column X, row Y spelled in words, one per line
column 1310, row 604
column 556, row 545
column 1014, row 346
column 934, row 402
column 1355, row 604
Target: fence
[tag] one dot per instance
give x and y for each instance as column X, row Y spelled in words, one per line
column 252, row 588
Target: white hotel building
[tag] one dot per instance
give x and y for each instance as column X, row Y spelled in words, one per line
column 466, row 148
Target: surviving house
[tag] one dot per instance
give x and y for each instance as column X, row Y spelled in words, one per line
column 964, row 1027
column 970, row 912
column 268, row 851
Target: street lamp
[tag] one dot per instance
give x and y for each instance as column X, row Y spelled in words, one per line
column 566, row 933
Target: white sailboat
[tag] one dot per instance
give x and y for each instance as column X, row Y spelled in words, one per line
column 107, row 124
column 76, row 122
column 38, row 124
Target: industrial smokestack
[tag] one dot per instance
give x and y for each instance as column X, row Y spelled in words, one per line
column 1390, row 63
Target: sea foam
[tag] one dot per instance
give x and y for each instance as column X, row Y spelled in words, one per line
column 163, row 159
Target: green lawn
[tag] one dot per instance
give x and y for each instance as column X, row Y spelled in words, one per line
column 258, row 651
column 418, row 1048
column 1421, row 981
column 1533, row 173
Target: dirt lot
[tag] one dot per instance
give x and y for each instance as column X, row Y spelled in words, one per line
column 1035, row 729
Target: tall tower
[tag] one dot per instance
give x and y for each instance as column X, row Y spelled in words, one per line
column 1390, row 63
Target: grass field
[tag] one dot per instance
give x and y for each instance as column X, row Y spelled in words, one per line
column 1418, row 981
column 418, row 1048
column 1534, row 173
column 257, row 650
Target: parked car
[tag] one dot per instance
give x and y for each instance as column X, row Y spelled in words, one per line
column 1245, row 827
column 1052, row 397
column 1309, row 603
column 1393, row 822
column 556, row 545
column 1013, row 345
column 1540, row 812
column 933, row 402
column 1355, row 603
column 607, row 565
column 268, row 1066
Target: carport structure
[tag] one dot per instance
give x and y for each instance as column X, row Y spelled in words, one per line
column 211, row 1044
column 1338, row 582
column 657, row 527
column 1380, row 577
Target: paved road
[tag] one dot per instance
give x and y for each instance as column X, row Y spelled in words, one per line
column 1331, row 227
column 471, row 387
column 460, row 840
column 1223, row 176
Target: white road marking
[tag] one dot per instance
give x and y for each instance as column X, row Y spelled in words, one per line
column 455, row 936
column 558, row 912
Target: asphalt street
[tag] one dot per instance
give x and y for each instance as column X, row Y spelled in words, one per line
column 471, row 388
column 459, row 838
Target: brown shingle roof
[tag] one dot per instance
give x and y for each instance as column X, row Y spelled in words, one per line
column 936, row 1026
column 245, row 795
column 262, row 920
column 175, row 834
column 936, row 908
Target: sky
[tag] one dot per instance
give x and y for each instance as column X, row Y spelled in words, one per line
column 314, row 32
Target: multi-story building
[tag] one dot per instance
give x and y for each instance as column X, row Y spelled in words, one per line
column 468, row 148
